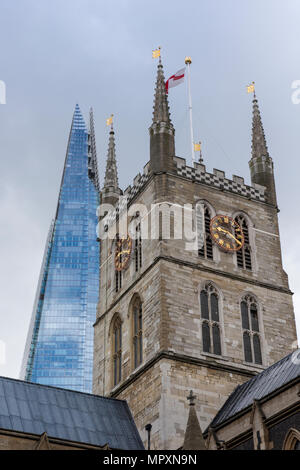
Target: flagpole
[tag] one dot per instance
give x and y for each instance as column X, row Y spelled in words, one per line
column 188, row 62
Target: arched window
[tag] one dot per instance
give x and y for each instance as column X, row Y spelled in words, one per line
column 251, row 334
column 118, row 273
column 117, row 350
column 243, row 256
column 138, row 248
column 292, row 440
column 118, row 280
column 137, row 332
column 211, row 332
column 206, row 251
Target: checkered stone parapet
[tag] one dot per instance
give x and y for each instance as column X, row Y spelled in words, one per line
column 218, row 180
column 197, row 174
column 129, row 194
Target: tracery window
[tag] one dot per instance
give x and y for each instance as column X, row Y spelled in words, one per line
column 251, row 333
column 137, row 330
column 118, row 273
column 243, row 255
column 138, row 248
column 210, row 316
column 206, row 251
column 117, row 350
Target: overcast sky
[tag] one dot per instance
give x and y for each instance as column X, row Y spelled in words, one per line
column 55, row 53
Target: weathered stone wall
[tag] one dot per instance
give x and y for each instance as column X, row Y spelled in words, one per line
column 158, row 396
column 169, row 283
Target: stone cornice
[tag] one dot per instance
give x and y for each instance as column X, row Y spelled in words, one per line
column 211, row 364
column 199, row 267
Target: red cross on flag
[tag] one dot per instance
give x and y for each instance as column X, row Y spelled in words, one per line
column 175, row 79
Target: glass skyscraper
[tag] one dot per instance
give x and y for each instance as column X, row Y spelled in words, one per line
column 59, row 348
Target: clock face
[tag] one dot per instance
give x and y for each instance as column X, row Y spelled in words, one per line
column 226, row 233
column 122, row 253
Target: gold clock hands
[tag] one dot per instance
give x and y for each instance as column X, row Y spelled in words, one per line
column 230, row 234
column 122, row 253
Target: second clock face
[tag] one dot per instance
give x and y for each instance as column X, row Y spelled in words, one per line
column 122, row 253
column 226, row 233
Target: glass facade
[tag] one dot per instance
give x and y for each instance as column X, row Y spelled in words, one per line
column 59, row 349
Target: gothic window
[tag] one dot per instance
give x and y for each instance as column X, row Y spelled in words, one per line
column 206, row 251
column 251, row 334
column 211, row 332
column 137, row 330
column 138, row 248
column 118, row 274
column 292, row 440
column 243, row 256
column 117, row 350
column 118, row 280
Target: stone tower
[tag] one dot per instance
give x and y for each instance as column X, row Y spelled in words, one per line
column 172, row 318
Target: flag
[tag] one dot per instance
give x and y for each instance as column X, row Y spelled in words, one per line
column 175, row 79
column 250, row 88
column 155, row 53
column 197, row 147
column 109, row 120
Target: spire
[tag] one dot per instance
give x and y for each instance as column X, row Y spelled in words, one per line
column 161, row 111
column 111, row 172
column 111, row 190
column 162, row 142
column 259, row 145
column 261, row 164
column 92, row 165
column 193, row 439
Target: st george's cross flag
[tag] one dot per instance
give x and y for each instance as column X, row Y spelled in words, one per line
column 175, row 79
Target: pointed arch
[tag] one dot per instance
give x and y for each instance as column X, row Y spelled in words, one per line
column 118, row 273
column 138, row 259
column 136, row 319
column 115, row 332
column 292, row 440
column 244, row 256
column 210, row 313
column 251, row 330
column 206, row 247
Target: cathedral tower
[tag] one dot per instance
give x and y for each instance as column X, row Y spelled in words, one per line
column 176, row 316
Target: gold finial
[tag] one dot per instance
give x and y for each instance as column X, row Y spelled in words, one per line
column 156, row 53
column 188, row 60
column 109, row 120
column 251, row 88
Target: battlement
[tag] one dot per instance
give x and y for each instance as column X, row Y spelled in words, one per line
column 217, row 179
column 139, row 181
column 197, row 174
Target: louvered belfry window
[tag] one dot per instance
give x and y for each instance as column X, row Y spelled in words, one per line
column 117, row 351
column 138, row 248
column 243, row 255
column 251, row 333
column 206, row 251
column 137, row 323
column 210, row 316
column 118, row 274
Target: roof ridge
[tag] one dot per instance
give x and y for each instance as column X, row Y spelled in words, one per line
column 247, row 389
column 60, row 389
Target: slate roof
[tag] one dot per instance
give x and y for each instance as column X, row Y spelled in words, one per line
column 66, row 414
column 271, row 379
